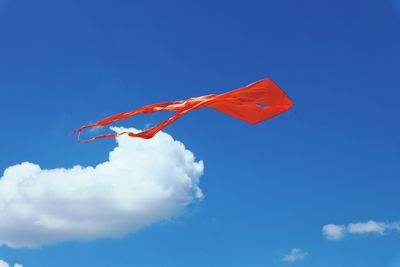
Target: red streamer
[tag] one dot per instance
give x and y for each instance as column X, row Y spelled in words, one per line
column 253, row 103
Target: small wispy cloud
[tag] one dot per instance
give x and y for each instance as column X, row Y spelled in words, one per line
column 338, row 232
column 333, row 231
column 95, row 129
column 5, row 264
column 296, row 254
column 366, row 228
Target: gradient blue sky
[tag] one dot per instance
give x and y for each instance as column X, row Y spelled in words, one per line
column 333, row 158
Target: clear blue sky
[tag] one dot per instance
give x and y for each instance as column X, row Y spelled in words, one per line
column 333, row 158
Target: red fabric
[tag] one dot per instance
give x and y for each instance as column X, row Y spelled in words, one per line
column 253, row 103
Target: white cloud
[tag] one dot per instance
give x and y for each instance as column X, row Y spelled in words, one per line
column 337, row 232
column 5, row 264
column 296, row 254
column 365, row 228
column 144, row 181
column 333, row 231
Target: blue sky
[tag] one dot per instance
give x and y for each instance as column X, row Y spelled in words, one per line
column 268, row 188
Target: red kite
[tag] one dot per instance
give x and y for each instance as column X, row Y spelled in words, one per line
column 253, row 103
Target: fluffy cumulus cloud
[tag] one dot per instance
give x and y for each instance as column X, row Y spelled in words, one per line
column 296, row 254
column 5, row 264
column 143, row 181
column 338, row 232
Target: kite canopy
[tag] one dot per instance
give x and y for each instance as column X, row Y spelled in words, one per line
column 253, row 103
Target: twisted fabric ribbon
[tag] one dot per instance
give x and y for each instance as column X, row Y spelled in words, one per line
column 253, row 103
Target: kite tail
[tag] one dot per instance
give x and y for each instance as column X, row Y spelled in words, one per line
column 124, row 115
